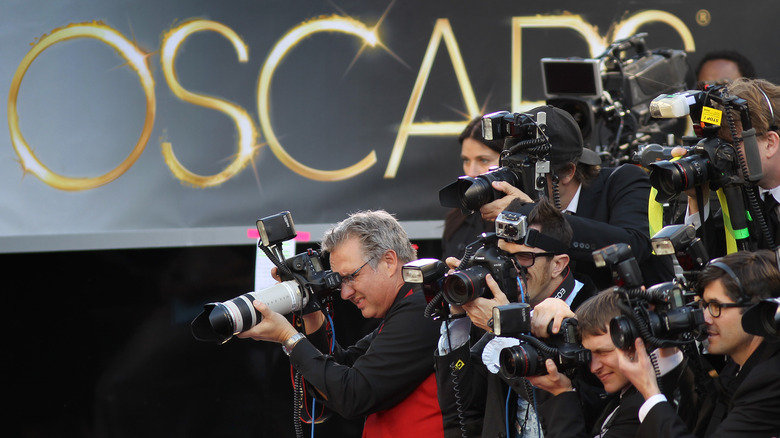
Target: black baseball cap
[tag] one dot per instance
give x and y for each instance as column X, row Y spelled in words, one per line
column 565, row 137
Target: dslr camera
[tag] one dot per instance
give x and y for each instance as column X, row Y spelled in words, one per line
column 523, row 162
column 482, row 257
column 663, row 315
column 305, row 284
column 528, row 357
column 712, row 160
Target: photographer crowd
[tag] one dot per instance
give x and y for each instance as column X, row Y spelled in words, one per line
column 560, row 312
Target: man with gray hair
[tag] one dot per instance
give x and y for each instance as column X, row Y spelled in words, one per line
column 388, row 375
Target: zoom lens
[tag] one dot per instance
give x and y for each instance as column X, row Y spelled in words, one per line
column 623, row 332
column 221, row 321
column 520, row 361
column 673, row 177
column 460, row 287
column 471, row 193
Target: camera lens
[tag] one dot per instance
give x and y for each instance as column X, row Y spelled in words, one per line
column 477, row 192
column 683, row 319
column 471, row 193
column 622, row 331
column 673, row 177
column 463, row 286
column 520, row 361
column 220, row 321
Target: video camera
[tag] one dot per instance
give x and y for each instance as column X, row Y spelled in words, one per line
column 523, row 162
column 662, row 315
column 528, row 357
column 306, row 283
column 609, row 95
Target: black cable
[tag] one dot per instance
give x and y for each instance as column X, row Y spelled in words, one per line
column 534, row 146
column 297, row 403
column 556, row 193
column 750, row 190
column 458, row 402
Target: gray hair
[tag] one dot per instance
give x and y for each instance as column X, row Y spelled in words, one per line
column 377, row 230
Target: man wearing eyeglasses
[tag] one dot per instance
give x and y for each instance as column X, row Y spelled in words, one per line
column 472, row 396
column 388, row 375
column 743, row 399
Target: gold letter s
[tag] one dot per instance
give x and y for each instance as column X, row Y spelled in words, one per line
column 247, row 134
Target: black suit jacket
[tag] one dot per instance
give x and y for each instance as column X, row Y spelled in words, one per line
column 613, row 209
column 752, row 409
column 563, row 415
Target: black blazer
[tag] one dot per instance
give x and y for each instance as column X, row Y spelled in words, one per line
column 613, row 209
column 752, row 409
column 565, row 415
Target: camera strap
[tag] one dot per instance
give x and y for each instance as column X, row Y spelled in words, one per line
column 567, row 289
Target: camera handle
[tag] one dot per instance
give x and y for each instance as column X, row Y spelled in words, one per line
column 734, row 206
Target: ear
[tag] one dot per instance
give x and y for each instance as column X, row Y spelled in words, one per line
column 773, row 144
column 566, row 175
column 390, row 258
column 559, row 263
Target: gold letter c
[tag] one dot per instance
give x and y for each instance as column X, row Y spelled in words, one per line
column 295, row 35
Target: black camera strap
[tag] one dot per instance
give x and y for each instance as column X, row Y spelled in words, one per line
column 565, row 289
column 537, row 239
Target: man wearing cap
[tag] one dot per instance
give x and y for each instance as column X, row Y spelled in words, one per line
column 603, row 205
column 473, row 398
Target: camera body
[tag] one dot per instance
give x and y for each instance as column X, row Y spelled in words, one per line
column 482, row 257
column 528, row 357
column 662, row 315
column 305, row 283
column 763, row 319
column 711, row 160
column 523, row 162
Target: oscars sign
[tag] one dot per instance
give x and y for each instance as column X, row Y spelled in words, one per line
column 253, row 135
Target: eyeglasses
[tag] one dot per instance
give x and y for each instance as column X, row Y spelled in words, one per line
column 349, row 280
column 715, row 307
column 527, row 259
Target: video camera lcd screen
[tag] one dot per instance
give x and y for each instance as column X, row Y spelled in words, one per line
column 571, row 77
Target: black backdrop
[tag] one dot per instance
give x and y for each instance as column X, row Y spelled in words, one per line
column 100, row 346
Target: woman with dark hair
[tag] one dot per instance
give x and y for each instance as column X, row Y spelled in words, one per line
column 478, row 155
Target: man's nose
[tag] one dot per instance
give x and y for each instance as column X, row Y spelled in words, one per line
column 346, row 292
column 708, row 319
column 595, row 364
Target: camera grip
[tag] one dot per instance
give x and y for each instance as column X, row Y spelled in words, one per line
column 752, row 155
